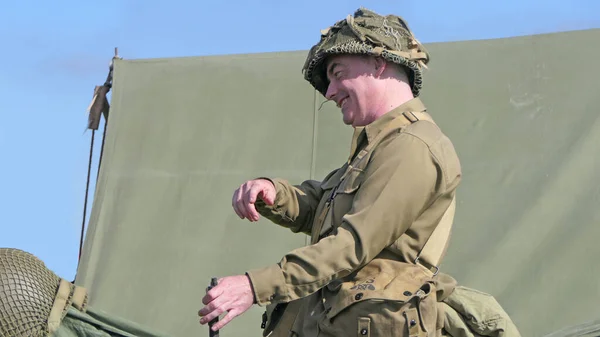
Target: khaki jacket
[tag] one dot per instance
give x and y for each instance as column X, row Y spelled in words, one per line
column 369, row 221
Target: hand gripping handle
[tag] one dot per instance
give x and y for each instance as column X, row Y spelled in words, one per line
column 211, row 333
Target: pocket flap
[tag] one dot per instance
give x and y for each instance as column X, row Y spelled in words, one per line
column 351, row 182
column 374, row 284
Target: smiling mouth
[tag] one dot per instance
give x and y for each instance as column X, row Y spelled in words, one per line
column 342, row 102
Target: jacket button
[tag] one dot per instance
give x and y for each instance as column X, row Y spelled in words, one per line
column 363, row 331
column 358, row 296
column 407, row 293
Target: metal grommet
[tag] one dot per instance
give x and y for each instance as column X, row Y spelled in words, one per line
column 358, row 296
column 407, row 293
column 413, row 322
column 364, row 331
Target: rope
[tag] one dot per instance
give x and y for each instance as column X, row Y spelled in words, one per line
column 108, row 86
column 101, row 150
column 87, row 189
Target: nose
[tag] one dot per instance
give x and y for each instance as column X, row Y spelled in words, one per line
column 331, row 90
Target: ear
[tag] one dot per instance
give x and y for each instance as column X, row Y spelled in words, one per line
column 380, row 66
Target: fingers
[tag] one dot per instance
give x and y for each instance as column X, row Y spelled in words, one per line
column 214, row 293
column 214, row 310
column 233, row 313
column 214, row 305
column 236, row 202
column 268, row 195
column 232, row 295
column 244, row 205
column 250, row 199
column 239, row 201
column 244, row 198
column 210, row 312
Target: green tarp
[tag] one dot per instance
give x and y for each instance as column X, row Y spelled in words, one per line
column 184, row 133
column 97, row 323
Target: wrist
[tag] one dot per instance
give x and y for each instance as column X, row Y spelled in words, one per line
column 254, row 301
column 267, row 179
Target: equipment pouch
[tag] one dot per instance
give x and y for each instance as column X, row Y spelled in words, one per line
column 278, row 319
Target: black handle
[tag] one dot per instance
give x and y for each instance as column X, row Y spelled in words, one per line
column 213, row 283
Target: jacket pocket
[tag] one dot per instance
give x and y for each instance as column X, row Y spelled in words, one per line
column 339, row 198
column 344, row 194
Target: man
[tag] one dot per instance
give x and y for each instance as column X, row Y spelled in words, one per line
column 379, row 224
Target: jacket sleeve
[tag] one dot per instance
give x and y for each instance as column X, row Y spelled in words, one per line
column 294, row 206
column 401, row 180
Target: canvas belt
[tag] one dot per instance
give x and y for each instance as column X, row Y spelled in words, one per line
column 433, row 250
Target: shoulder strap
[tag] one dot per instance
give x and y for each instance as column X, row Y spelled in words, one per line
column 437, row 244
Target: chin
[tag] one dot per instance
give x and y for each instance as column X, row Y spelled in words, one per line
column 347, row 119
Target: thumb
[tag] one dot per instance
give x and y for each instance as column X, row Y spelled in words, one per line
column 268, row 195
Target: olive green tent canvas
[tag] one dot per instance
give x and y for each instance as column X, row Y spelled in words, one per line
column 184, row 133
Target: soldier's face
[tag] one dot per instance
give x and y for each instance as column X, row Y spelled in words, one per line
column 353, row 87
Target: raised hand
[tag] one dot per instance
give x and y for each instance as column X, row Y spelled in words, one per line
column 248, row 193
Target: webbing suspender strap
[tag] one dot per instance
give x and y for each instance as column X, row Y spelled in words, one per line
column 406, row 118
column 436, row 245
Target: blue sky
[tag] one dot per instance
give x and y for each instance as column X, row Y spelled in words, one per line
column 54, row 53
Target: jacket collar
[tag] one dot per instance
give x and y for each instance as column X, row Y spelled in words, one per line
column 372, row 130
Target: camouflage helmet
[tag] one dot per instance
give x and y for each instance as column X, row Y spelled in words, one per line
column 368, row 33
column 33, row 300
